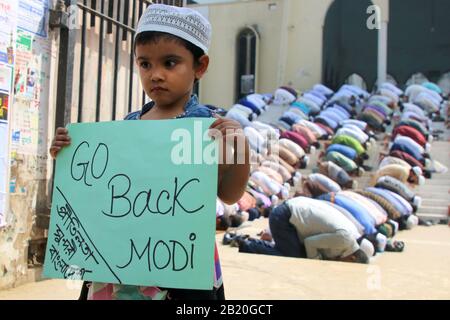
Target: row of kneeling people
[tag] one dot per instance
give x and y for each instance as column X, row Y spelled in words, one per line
column 314, row 220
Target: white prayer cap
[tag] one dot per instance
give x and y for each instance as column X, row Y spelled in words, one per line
column 361, row 171
column 283, row 96
column 184, row 23
column 274, row 199
column 421, row 181
column 417, row 170
column 284, row 193
column 417, row 201
column 381, row 242
column 411, row 222
column 367, row 247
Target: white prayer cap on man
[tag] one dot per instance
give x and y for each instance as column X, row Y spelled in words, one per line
column 393, row 88
column 275, row 200
column 421, row 181
column 412, row 221
column 321, row 88
column 184, row 23
column 257, row 100
column 367, row 247
column 388, row 93
column 283, row 97
column 414, row 90
column 417, row 201
column 417, row 170
column 428, row 163
column 381, row 242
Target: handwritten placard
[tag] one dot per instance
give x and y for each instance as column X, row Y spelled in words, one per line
column 126, row 210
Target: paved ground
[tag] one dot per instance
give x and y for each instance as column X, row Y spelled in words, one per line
column 422, row 271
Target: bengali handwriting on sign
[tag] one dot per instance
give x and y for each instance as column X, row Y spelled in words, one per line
column 129, row 207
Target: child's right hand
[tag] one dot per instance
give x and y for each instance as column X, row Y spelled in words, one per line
column 60, row 140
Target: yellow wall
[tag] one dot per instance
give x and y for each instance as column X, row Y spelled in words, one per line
column 218, row 85
column 305, row 31
column 290, row 49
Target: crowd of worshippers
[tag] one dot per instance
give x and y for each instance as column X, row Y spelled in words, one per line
column 324, row 215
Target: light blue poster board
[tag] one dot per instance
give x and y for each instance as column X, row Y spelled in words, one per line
column 134, row 203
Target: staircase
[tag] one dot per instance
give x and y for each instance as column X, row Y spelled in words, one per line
column 435, row 192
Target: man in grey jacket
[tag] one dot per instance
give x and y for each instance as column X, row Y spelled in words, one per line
column 325, row 232
column 304, row 227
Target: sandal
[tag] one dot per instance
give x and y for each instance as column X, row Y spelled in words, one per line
column 228, row 237
column 395, row 246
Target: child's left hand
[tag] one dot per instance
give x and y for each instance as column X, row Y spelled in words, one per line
column 234, row 159
column 226, row 126
column 230, row 131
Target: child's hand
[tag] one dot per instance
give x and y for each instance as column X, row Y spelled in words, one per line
column 226, row 126
column 232, row 175
column 231, row 132
column 60, row 140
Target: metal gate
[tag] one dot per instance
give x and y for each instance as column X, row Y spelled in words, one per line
column 96, row 75
column 96, row 78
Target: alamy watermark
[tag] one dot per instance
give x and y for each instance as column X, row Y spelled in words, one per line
column 374, row 19
column 212, row 146
column 374, row 278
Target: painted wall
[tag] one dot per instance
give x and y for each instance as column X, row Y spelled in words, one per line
column 304, row 43
column 27, row 143
column 218, row 85
column 290, row 48
column 290, row 44
column 31, row 119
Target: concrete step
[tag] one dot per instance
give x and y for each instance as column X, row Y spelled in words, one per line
column 434, row 195
column 432, row 215
column 433, row 186
column 435, row 218
column 427, row 202
column 437, row 182
column 434, row 210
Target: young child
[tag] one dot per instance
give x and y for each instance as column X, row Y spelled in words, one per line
column 171, row 46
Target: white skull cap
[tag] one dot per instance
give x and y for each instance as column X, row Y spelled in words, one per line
column 184, row 23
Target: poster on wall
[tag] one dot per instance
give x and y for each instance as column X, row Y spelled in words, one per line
column 32, row 16
column 8, row 23
column 4, row 106
column 3, row 170
column 25, row 125
column 24, row 60
column 7, row 31
column 29, row 120
column 5, row 78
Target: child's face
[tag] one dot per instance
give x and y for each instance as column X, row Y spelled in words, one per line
column 167, row 72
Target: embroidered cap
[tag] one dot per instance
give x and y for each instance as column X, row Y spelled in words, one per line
column 184, row 23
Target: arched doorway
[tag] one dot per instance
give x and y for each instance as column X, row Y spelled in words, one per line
column 348, row 45
column 416, row 78
column 418, row 38
column 391, row 80
column 246, row 62
column 357, row 80
column 444, row 83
